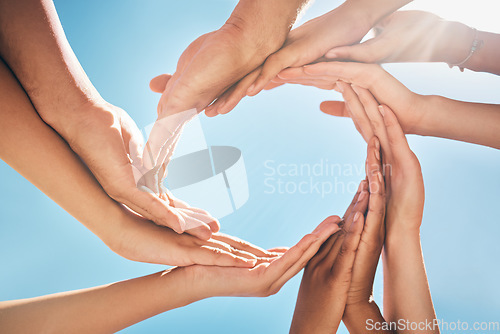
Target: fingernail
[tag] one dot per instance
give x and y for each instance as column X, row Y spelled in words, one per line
column 339, row 86
column 380, row 177
column 361, row 186
column 377, row 144
column 381, row 109
column 377, row 154
column 362, row 196
column 357, row 216
column 253, row 262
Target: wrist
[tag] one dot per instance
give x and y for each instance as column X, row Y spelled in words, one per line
column 372, row 11
column 454, row 44
column 264, row 24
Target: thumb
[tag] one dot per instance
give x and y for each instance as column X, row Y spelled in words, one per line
column 366, row 52
column 334, row 108
column 158, row 84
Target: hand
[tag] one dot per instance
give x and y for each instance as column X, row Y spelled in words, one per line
column 327, row 277
column 410, row 108
column 410, row 36
column 109, row 142
column 372, row 238
column 305, row 44
column 403, row 176
column 269, row 275
column 138, row 239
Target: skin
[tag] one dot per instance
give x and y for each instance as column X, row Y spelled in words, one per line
column 345, row 25
column 417, row 36
column 406, row 290
column 38, row 153
column 337, row 283
column 110, row 308
column 65, row 99
column 426, row 115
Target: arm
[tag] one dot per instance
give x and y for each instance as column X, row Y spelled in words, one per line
column 345, row 25
column 418, row 114
column 112, row 307
column 37, row 152
column 33, row 44
column 406, row 291
column 416, row 36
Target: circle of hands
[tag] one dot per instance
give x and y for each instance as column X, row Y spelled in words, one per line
column 343, row 251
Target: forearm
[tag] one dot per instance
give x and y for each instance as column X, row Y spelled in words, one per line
column 33, row 149
column 476, row 123
column 265, row 23
column 374, row 11
column 365, row 318
column 407, row 295
column 104, row 309
column 33, row 44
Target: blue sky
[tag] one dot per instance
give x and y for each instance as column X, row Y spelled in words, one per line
column 123, row 44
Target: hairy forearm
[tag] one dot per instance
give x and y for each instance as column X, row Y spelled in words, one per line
column 266, row 23
column 104, row 309
column 33, row 44
column 476, row 123
column 407, row 295
column 364, row 318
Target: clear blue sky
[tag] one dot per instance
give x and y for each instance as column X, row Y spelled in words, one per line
column 122, row 44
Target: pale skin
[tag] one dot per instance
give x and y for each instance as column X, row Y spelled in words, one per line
column 37, row 152
column 338, row 281
column 250, row 271
column 405, row 277
column 417, row 36
column 426, row 115
column 33, row 44
column 345, row 25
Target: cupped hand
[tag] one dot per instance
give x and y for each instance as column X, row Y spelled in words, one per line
column 409, row 36
column 110, row 144
column 409, row 107
column 325, row 284
column 305, row 44
column 270, row 273
column 138, row 239
column 401, row 168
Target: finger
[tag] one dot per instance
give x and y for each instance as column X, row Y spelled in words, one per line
column 228, row 248
column 242, row 245
column 229, row 101
column 214, row 256
column 397, row 139
column 363, row 186
column 324, row 250
column 376, row 205
column 272, row 66
column 358, row 114
column 273, row 85
column 210, row 221
column 151, row 207
column 366, row 52
column 334, row 108
column 312, row 82
column 159, row 83
column 370, row 105
column 278, row 249
column 195, row 227
column 342, row 267
column 297, row 257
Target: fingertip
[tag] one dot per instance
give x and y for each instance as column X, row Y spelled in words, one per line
column 159, row 83
column 214, row 226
